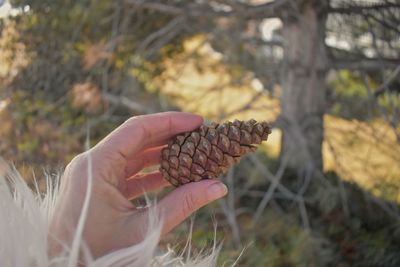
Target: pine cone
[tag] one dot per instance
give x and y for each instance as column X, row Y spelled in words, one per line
column 210, row 151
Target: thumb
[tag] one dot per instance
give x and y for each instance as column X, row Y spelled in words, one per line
column 185, row 200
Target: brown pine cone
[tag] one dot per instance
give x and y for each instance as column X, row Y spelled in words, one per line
column 210, row 151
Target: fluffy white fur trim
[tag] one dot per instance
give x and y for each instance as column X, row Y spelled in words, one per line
column 24, row 224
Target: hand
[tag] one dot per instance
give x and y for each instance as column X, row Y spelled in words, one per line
column 113, row 222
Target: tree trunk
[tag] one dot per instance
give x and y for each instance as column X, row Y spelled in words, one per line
column 303, row 86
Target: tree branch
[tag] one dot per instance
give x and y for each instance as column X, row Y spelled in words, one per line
column 366, row 64
column 268, row 195
column 155, row 6
column 127, row 103
column 386, row 24
column 173, row 25
column 385, row 86
column 267, row 10
column 360, row 9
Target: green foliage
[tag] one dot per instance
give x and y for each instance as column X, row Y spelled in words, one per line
column 349, row 84
column 350, row 98
column 281, row 242
column 389, row 102
column 348, row 94
column 69, row 45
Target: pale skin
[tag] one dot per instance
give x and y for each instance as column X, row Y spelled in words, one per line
column 113, row 222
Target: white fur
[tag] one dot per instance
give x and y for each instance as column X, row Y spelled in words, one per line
column 24, row 225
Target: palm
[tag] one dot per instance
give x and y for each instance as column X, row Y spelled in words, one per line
column 112, row 220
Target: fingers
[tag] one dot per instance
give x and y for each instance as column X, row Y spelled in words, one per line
column 138, row 185
column 145, row 131
column 146, row 158
column 185, row 200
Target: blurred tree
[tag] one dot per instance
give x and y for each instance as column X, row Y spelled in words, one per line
column 314, row 37
column 108, row 41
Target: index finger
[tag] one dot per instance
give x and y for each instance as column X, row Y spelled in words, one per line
column 145, row 131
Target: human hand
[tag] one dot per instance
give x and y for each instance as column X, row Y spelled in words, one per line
column 112, row 220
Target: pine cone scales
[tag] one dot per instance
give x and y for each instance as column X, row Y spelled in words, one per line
column 210, row 151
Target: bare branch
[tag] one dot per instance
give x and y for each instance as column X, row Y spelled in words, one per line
column 271, row 190
column 264, row 170
column 159, row 7
column 304, row 215
column 391, row 120
column 392, row 25
column 342, row 190
column 360, row 9
column 127, row 103
column 366, row 64
column 171, row 26
column 229, row 209
column 267, row 10
column 385, row 86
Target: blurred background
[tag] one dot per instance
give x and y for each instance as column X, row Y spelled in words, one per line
column 323, row 191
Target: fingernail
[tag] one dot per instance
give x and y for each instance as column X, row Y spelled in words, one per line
column 216, row 191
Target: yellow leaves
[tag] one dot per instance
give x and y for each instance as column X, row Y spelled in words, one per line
column 198, row 81
column 13, row 54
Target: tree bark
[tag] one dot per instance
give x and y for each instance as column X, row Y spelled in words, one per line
column 303, row 85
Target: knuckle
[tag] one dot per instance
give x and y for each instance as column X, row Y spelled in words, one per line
column 80, row 157
column 133, row 120
column 75, row 161
column 137, row 124
column 78, row 160
column 76, row 165
column 189, row 204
